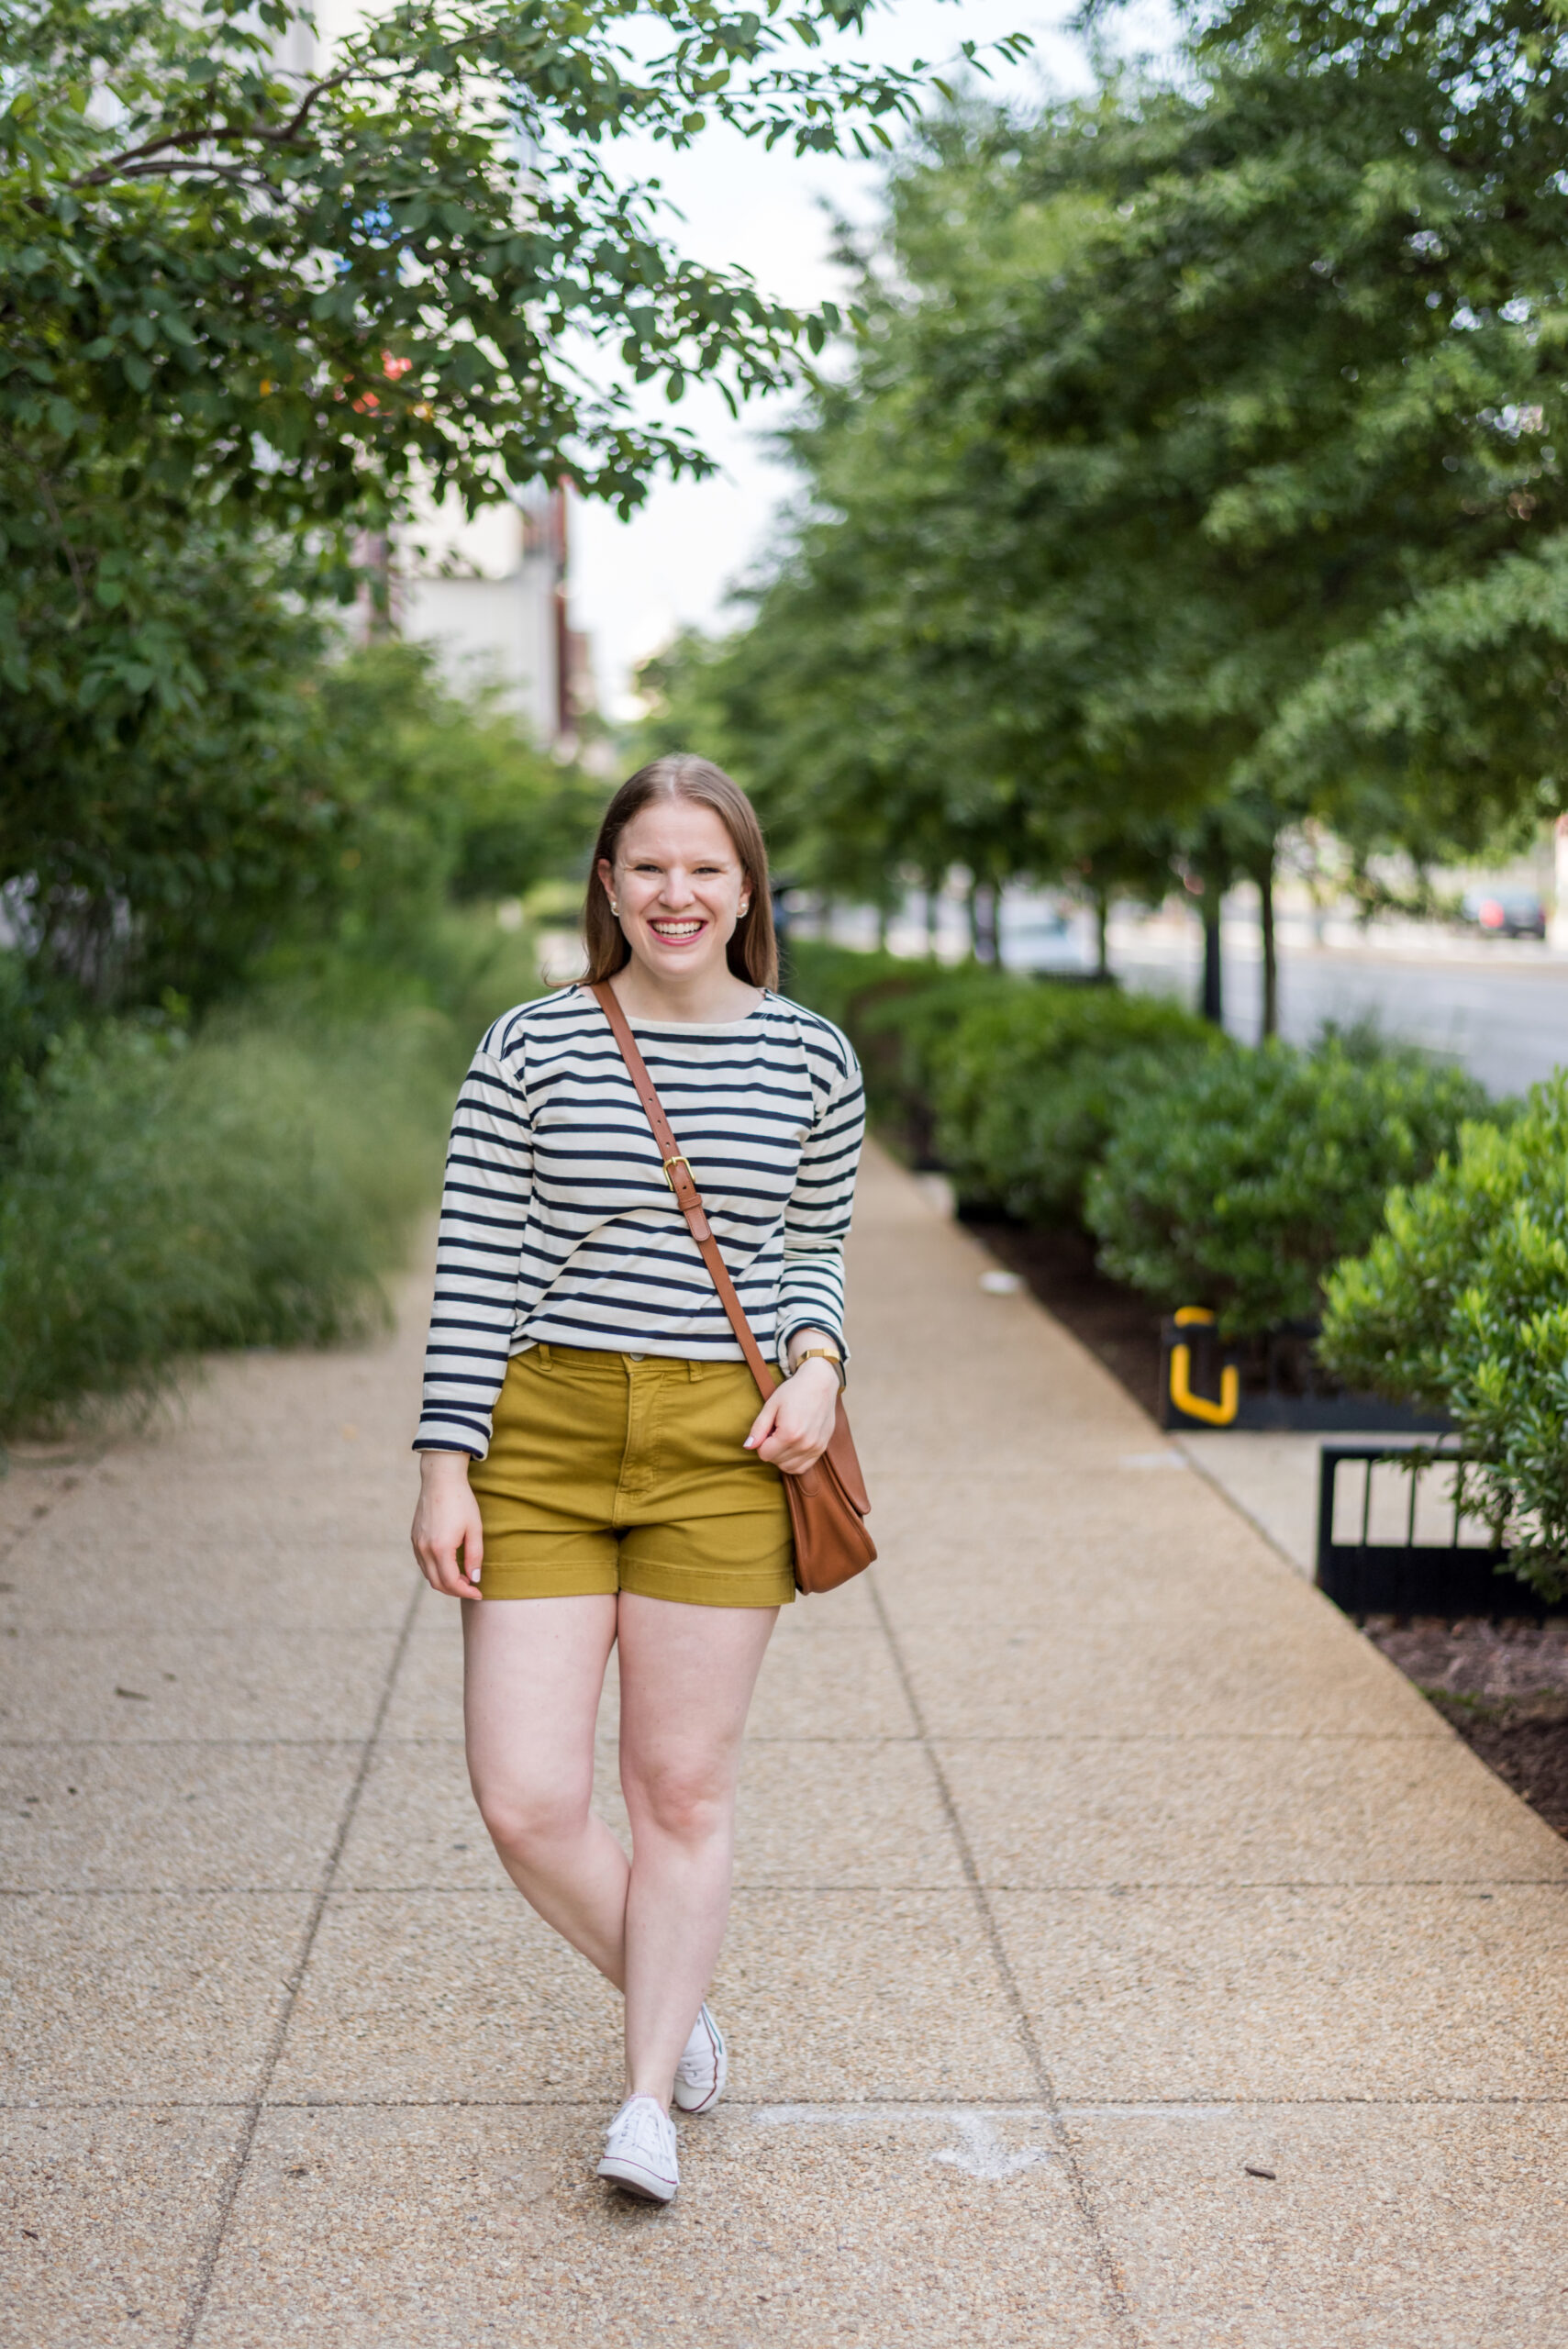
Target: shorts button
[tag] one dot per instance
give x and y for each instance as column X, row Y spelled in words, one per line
column 636, row 1357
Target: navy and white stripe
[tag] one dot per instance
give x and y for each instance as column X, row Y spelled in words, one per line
column 558, row 1225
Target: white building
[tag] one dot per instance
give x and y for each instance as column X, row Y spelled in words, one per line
column 490, row 596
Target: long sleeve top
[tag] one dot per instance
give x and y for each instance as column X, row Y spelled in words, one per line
column 558, row 1224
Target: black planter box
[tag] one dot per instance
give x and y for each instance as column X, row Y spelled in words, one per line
column 1202, row 1386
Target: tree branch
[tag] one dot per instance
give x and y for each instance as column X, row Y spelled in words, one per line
column 241, row 175
column 286, row 134
column 137, row 161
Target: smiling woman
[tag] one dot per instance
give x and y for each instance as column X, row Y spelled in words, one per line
column 680, row 857
column 596, row 1472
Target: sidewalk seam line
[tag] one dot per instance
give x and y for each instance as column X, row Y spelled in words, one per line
column 1103, row 2258
column 1042, row 1890
column 1242, row 2100
column 254, row 2106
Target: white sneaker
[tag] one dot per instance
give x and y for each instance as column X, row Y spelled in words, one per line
column 701, row 2071
column 640, row 2151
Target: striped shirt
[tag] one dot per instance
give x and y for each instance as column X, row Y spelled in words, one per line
column 557, row 1222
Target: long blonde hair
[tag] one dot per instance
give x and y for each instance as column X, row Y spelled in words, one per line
column 752, row 949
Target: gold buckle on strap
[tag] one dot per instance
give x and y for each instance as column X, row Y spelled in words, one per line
column 677, row 1161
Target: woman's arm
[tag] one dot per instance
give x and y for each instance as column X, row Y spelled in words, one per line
column 792, row 1427
column 485, row 1210
column 484, row 1206
column 817, row 1221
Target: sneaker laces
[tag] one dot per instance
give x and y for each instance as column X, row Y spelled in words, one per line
column 697, row 2057
column 641, row 2128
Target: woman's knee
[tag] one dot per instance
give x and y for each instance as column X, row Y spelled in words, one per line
column 691, row 1801
column 528, row 1818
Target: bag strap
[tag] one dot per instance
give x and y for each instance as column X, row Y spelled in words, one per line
column 678, row 1175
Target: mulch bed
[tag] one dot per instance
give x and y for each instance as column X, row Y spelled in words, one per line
column 1505, row 1689
column 1503, row 1685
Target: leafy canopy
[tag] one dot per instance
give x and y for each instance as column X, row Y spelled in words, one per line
column 251, row 306
column 1200, row 471
column 299, row 284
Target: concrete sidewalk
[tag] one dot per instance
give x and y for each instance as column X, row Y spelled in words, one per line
column 1122, row 1952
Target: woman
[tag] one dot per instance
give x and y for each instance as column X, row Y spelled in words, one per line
column 597, row 1471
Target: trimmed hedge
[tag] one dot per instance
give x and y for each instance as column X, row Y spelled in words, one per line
column 1460, row 1304
column 1239, row 1184
column 1211, row 1172
column 1014, row 1083
column 1028, row 1089
column 837, row 980
column 895, row 1012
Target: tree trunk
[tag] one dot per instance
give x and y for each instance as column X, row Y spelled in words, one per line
column 933, row 914
column 881, row 921
column 982, row 920
column 1271, row 954
column 1213, row 1005
column 1102, row 933
column 373, row 552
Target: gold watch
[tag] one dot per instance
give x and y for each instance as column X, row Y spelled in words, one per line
column 822, row 1353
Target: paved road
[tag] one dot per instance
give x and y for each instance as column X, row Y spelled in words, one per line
column 1123, row 1955
column 1508, row 1023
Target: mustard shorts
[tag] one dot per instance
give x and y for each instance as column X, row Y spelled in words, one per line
column 614, row 1472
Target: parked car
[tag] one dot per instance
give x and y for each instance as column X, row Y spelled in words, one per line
column 1504, row 913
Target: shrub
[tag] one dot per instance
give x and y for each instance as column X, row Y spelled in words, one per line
column 160, row 1195
column 1461, row 1303
column 834, row 979
column 1027, row 1088
column 1239, row 1183
column 901, row 1033
column 894, row 1011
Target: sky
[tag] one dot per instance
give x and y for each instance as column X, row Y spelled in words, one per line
column 634, row 583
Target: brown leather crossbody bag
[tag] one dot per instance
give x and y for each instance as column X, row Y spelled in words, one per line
column 828, row 1505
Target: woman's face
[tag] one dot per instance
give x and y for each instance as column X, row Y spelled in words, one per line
column 680, row 888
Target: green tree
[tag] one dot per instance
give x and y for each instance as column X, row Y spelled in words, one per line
column 1199, row 473
column 444, row 799
column 155, row 836
column 250, row 311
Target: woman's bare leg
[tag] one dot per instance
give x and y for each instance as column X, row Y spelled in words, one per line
column 534, row 1669
column 686, row 1677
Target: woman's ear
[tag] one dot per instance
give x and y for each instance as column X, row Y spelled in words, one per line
column 606, row 874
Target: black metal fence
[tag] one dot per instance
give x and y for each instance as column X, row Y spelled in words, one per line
column 1370, row 1560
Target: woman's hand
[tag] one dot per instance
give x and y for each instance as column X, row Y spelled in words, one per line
column 792, row 1427
column 447, row 1538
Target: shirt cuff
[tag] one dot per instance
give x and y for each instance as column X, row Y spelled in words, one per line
column 810, row 1322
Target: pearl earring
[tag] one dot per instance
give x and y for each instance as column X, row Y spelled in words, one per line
column 745, row 904
column 615, row 908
